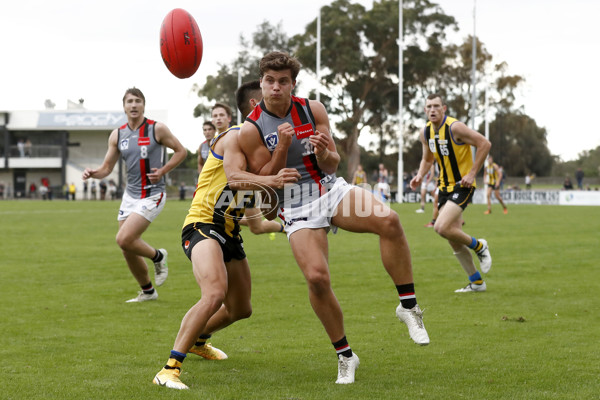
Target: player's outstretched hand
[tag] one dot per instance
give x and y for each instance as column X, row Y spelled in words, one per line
column 87, row 173
column 415, row 182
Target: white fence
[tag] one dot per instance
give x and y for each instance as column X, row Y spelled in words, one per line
column 542, row 197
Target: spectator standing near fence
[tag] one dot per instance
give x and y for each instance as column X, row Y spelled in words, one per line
column 579, row 177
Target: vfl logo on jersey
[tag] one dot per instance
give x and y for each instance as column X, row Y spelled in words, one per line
column 303, row 131
column 432, row 145
column 124, row 145
column 144, row 141
column 271, row 140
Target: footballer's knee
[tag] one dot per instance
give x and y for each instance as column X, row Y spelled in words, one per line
column 124, row 241
column 242, row 312
column 389, row 225
column 318, row 280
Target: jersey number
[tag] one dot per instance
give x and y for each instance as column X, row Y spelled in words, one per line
column 307, row 146
column 444, row 149
column 144, row 152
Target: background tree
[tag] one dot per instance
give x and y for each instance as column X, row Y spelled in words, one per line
column 222, row 86
column 519, row 145
column 588, row 161
column 359, row 82
column 360, row 53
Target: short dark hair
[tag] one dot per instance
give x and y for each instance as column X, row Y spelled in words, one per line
column 279, row 61
column 209, row 124
column 134, row 92
column 222, row 105
column 243, row 95
column 435, row 96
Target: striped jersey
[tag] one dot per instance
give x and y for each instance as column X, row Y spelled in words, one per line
column 204, row 150
column 313, row 182
column 141, row 152
column 455, row 160
column 492, row 174
column 214, row 201
column 361, row 177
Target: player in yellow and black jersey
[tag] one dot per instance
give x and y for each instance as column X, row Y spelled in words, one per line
column 448, row 141
column 211, row 240
column 493, row 174
column 214, row 202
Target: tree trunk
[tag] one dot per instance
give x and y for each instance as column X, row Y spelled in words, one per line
column 352, row 152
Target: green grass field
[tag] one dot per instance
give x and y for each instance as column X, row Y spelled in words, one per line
column 66, row 332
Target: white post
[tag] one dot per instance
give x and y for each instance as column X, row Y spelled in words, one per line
column 487, row 129
column 474, row 77
column 473, row 71
column 400, row 175
column 319, row 56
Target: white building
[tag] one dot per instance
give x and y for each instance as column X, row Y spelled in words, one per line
column 55, row 146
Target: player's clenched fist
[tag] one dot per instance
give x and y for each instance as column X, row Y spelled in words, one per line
column 285, row 133
column 284, row 177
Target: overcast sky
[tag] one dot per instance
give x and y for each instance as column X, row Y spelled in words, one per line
column 95, row 49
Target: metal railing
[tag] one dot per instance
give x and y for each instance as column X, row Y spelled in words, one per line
column 35, row 151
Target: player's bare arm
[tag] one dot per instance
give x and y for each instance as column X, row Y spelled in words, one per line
column 499, row 172
column 285, row 133
column 255, row 152
column 165, row 137
column 463, row 134
column 426, row 163
column 323, row 144
column 235, row 165
column 110, row 159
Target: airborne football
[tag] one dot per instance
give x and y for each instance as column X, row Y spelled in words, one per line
column 181, row 43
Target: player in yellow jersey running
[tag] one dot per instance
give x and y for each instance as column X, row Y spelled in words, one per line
column 448, row 141
column 493, row 174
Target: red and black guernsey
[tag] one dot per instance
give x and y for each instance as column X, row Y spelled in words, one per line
column 141, row 153
column 300, row 153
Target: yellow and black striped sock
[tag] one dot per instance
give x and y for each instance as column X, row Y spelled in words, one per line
column 201, row 341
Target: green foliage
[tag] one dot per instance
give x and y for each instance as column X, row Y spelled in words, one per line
column 359, row 80
column 190, row 162
column 519, row 145
column 360, row 54
column 222, row 86
column 588, row 161
column 68, row 334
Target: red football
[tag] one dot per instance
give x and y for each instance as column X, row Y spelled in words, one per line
column 180, row 43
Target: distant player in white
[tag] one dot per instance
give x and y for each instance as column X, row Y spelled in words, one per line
column 428, row 186
column 141, row 142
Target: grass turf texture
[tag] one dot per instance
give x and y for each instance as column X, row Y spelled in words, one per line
column 67, row 332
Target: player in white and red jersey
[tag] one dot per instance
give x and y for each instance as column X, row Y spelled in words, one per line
column 141, row 143
column 286, row 131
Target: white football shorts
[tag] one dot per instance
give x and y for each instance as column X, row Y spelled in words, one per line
column 148, row 208
column 316, row 214
column 429, row 187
